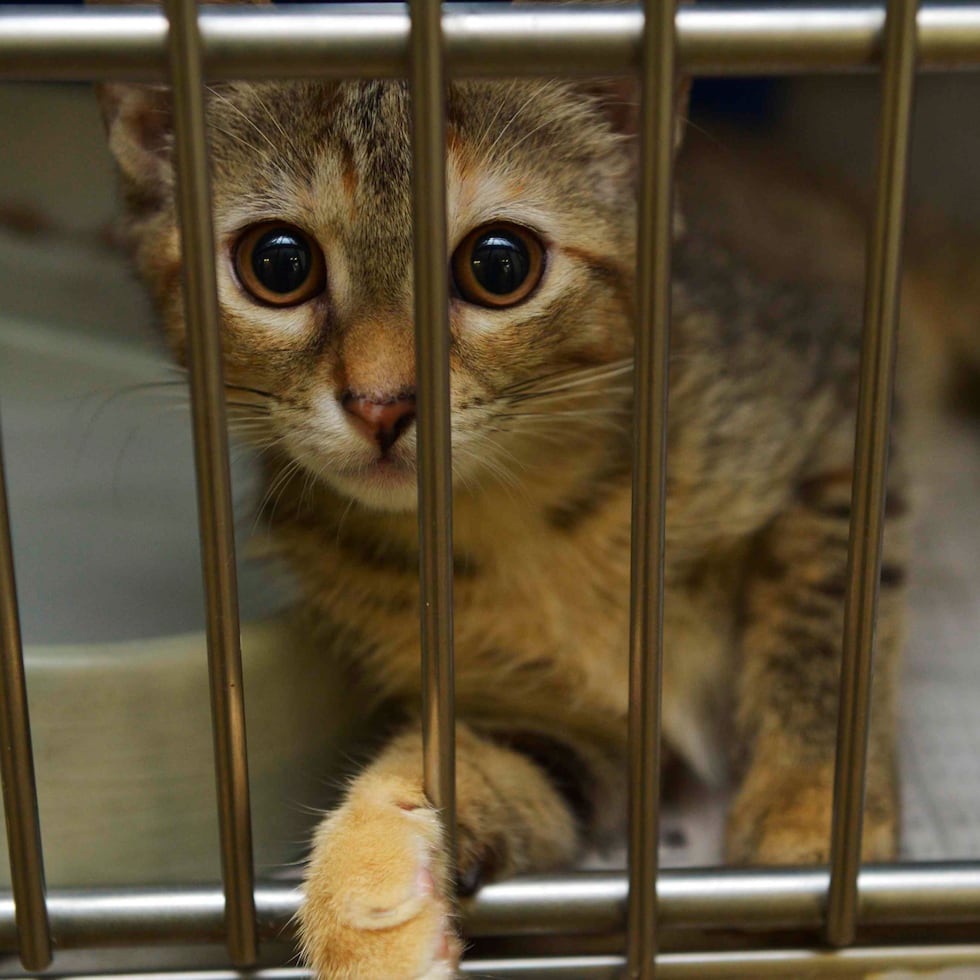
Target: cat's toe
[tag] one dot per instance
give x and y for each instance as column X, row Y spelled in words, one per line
column 376, row 906
column 399, row 893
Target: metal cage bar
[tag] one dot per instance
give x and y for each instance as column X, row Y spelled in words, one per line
column 780, row 964
column 765, row 906
column 337, row 42
column 855, row 963
column 217, row 527
column 388, row 42
column 878, row 349
column 428, row 88
column 33, row 939
column 648, row 526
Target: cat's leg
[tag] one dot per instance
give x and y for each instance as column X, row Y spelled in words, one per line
column 377, row 893
column 789, row 681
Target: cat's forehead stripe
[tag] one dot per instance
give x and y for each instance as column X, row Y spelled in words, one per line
column 344, row 174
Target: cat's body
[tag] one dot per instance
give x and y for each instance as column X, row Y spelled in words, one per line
column 760, row 454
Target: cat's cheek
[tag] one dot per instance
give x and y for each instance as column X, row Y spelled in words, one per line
column 252, row 326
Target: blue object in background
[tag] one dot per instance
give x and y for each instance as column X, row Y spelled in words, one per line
column 750, row 101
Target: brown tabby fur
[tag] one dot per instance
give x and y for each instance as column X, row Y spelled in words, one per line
column 760, row 451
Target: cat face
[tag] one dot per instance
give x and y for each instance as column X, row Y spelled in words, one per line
column 313, row 236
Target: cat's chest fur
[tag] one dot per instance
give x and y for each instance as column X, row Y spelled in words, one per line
column 538, row 605
column 541, row 607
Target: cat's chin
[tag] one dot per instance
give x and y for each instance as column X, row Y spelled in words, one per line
column 380, row 486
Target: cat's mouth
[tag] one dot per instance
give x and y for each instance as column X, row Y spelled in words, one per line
column 385, row 466
column 389, row 467
column 386, row 482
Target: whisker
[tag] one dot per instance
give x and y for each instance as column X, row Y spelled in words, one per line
column 238, row 139
column 562, row 396
column 573, row 377
column 231, row 386
column 263, row 105
column 343, row 518
column 274, row 493
column 510, row 122
column 231, row 105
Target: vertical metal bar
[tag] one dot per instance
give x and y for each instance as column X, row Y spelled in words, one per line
column 17, row 766
column 881, row 312
column 649, row 477
column 434, row 439
column 213, row 480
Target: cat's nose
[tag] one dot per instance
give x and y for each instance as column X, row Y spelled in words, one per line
column 382, row 420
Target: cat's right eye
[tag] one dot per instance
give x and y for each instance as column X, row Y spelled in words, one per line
column 280, row 265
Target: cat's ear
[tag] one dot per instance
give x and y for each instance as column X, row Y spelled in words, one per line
column 139, row 130
column 619, row 99
column 139, row 127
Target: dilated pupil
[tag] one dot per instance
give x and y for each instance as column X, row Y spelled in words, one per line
column 500, row 262
column 281, row 261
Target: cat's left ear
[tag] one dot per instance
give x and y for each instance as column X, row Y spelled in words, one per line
column 619, row 99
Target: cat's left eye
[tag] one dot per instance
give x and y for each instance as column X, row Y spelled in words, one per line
column 498, row 265
column 280, row 264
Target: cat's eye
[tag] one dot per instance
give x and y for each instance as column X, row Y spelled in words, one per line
column 498, row 265
column 280, row 265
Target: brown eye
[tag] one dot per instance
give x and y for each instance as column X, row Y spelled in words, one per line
column 280, row 265
column 498, row 265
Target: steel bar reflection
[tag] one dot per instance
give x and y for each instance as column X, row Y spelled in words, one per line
column 428, row 88
column 217, row 532
column 758, row 965
column 766, row 902
column 651, row 359
column 879, row 344
column 336, row 41
column 854, row 963
column 17, row 766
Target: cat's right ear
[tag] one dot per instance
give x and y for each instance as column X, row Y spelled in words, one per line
column 139, row 129
column 139, row 126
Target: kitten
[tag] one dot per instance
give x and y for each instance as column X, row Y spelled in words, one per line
column 311, row 185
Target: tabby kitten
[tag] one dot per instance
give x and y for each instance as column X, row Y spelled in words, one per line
column 311, row 185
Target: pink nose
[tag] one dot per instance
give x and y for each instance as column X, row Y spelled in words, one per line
column 381, row 420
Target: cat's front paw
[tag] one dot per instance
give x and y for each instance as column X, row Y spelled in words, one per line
column 376, row 905
column 783, row 817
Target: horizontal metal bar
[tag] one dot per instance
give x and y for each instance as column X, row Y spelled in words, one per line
column 372, row 41
column 729, row 965
column 772, row 899
column 670, row 966
column 579, row 904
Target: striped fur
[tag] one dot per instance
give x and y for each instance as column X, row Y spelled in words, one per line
column 760, row 442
